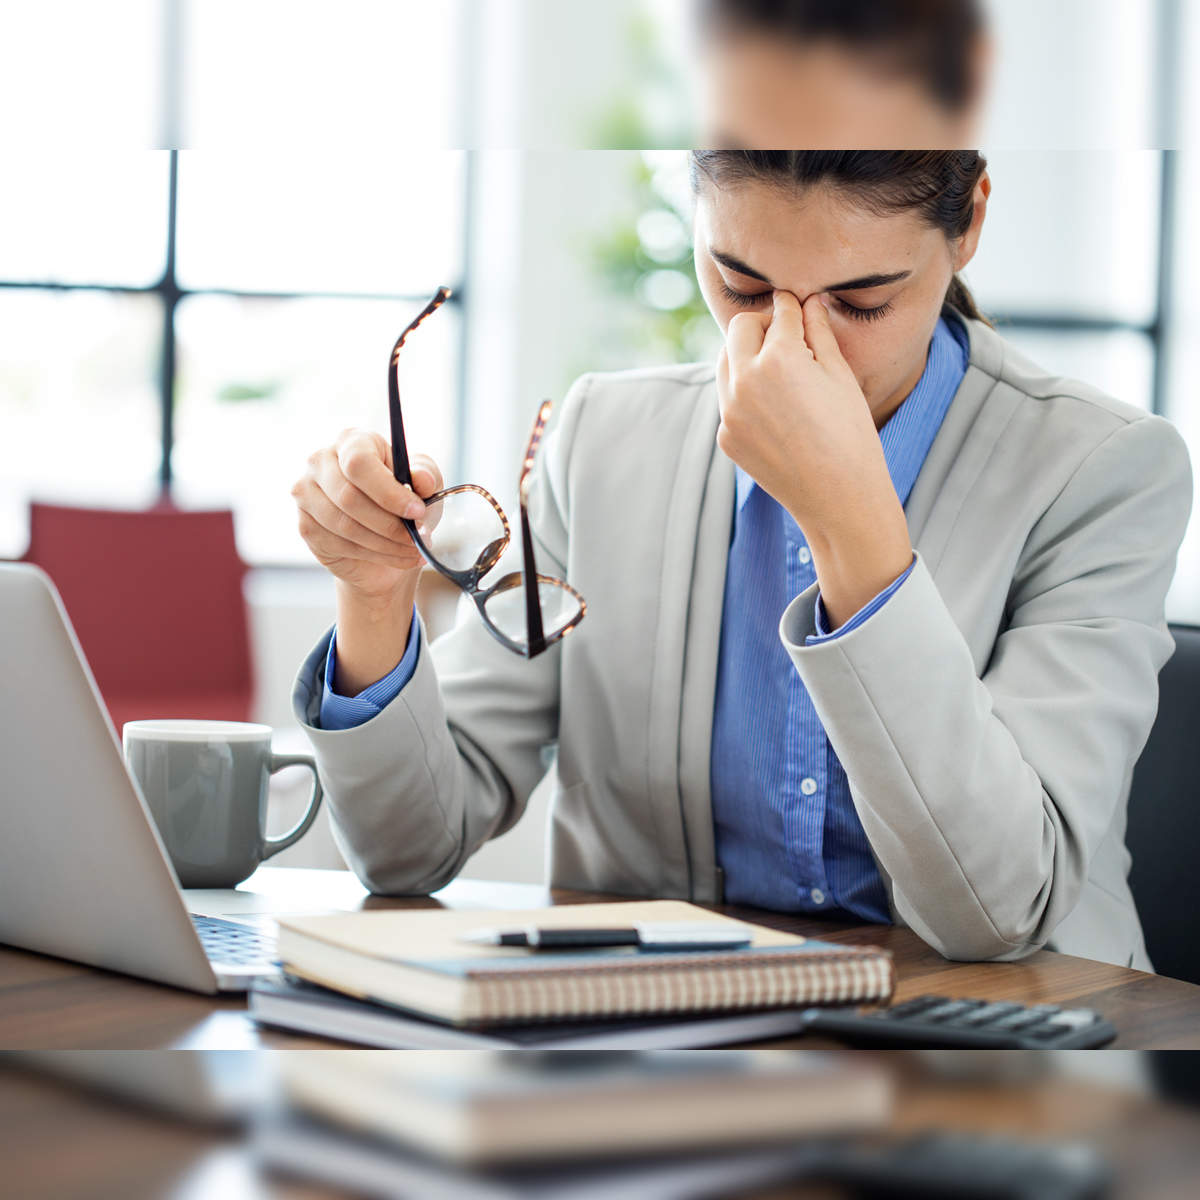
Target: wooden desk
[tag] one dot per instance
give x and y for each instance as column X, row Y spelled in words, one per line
column 47, row 1003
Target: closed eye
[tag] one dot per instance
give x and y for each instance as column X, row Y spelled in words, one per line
column 750, row 299
column 744, row 299
column 864, row 314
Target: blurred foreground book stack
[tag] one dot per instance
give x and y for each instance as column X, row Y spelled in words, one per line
column 560, row 1124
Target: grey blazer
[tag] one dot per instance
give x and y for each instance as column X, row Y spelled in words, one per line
column 988, row 716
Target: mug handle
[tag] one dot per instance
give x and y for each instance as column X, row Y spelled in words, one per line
column 273, row 845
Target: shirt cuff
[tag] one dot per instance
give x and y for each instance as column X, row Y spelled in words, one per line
column 345, row 712
column 869, row 609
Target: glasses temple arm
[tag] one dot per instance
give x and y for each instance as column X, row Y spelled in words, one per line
column 400, row 465
column 533, row 605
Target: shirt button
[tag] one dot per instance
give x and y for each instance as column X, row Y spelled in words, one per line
column 804, row 555
column 808, row 786
column 818, row 896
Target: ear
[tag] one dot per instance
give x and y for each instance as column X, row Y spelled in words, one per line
column 964, row 249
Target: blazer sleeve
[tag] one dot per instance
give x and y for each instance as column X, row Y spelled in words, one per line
column 451, row 761
column 985, row 796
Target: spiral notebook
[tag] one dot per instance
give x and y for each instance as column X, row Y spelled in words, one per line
column 292, row 1004
column 417, row 962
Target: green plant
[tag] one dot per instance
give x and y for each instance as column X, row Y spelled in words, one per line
column 238, row 393
column 648, row 265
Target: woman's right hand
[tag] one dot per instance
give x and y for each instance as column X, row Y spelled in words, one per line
column 350, row 509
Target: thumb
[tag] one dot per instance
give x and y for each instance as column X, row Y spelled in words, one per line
column 426, row 477
column 722, row 377
column 819, row 333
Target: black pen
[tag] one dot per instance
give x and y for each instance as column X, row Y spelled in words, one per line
column 646, row 935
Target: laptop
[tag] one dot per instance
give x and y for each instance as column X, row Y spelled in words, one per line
column 218, row 1088
column 83, row 872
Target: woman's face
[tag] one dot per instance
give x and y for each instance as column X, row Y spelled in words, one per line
column 884, row 277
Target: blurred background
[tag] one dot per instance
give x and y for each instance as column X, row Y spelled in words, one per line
column 217, row 216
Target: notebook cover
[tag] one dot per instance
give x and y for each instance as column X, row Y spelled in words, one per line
column 424, row 937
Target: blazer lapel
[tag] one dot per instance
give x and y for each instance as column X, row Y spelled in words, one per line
column 696, row 550
column 972, row 425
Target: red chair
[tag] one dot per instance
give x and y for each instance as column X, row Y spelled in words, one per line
column 156, row 600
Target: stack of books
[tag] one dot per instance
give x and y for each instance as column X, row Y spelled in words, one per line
column 405, row 979
column 497, row 1126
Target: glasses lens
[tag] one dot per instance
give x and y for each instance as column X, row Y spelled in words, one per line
column 462, row 530
column 506, row 610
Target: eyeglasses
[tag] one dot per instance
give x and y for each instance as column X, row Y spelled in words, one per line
column 464, row 532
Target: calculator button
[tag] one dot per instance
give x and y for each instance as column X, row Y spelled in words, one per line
column 988, row 1013
column 1073, row 1018
column 949, row 1010
column 1018, row 1021
column 910, row 1008
column 1045, row 1032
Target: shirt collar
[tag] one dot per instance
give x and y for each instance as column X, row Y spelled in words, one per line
column 910, row 430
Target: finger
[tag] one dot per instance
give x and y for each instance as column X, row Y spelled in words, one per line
column 744, row 338
column 362, row 459
column 326, row 545
column 328, row 548
column 819, row 333
column 722, row 376
column 426, row 477
column 787, row 320
column 312, row 500
column 347, row 497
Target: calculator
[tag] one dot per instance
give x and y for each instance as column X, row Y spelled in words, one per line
column 964, row 1166
column 940, row 1022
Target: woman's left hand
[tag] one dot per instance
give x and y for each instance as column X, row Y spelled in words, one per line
column 795, row 419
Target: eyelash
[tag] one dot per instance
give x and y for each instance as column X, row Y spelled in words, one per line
column 746, row 300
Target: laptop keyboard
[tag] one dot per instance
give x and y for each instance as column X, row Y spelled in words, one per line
column 229, row 942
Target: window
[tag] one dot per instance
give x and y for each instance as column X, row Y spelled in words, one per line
column 1068, row 263
column 292, row 278
column 79, row 399
column 300, row 271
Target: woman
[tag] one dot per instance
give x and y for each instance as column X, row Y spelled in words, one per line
column 875, row 606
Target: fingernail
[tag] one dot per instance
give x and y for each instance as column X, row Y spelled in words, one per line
column 415, row 510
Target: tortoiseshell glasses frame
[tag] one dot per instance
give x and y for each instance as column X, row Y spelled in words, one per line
column 537, row 640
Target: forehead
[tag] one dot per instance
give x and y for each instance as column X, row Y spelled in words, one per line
column 816, row 236
column 760, row 91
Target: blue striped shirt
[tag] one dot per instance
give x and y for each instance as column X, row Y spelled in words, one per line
column 345, row 712
column 787, row 834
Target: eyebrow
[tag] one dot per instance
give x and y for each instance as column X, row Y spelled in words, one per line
column 849, row 285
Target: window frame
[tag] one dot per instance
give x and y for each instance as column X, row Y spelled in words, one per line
column 1156, row 329
column 170, row 294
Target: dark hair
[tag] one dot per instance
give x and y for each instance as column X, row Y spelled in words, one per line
column 928, row 39
column 938, row 184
